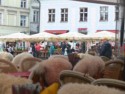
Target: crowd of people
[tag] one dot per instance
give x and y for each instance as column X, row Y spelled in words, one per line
column 101, row 48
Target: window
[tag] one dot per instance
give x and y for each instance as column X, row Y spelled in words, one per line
column 36, row 16
column 51, row 15
column 0, row 18
column 11, row 19
column 116, row 13
column 23, row 20
column 104, row 13
column 64, row 15
column 23, row 3
column 83, row 14
column 0, row 2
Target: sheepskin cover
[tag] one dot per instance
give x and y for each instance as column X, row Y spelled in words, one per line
column 90, row 65
column 82, row 55
column 59, row 56
column 7, row 56
column 53, row 68
column 18, row 58
column 6, row 82
column 28, row 63
column 73, row 58
column 38, row 69
column 87, row 89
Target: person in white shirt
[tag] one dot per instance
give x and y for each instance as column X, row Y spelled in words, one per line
column 30, row 49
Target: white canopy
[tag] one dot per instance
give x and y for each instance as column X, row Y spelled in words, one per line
column 103, row 34
column 14, row 37
column 72, row 35
column 42, row 36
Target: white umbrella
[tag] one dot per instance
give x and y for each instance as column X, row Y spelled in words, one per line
column 42, row 36
column 72, row 35
column 14, row 37
column 104, row 34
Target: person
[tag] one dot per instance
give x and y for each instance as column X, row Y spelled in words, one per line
column 33, row 50
column 68, row 48
column 72, row 48
column 51, row 49
column 10, row 49
column 30, row 49
column 83, row 47
column 106, row 49
column 38, row 48
column 63, row 46
column 1, row 47
column 97, row 48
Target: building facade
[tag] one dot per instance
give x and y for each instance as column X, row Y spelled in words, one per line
column 34, row 16
column 14, row 16
column 74, row 16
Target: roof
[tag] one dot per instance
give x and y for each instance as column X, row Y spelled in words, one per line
column 112, row 2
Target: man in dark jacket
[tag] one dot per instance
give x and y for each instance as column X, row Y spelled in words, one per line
column 33, row 50
column 106, row 49
column 63, row 46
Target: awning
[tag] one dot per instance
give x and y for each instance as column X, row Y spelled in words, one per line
column 82, row 30
column 57, row 31
column 113, row 31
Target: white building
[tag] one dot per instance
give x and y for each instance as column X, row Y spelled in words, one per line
column 58, row 16
column 14, row 16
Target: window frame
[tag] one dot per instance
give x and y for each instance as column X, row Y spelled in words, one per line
column 82, row 14
column 104, row 13
column 23, row 4
column 23, row 21
column 1, row 18
column 51, row 15
column 116, row 13
column 64, row 15
column 0, row 2
column 36, row 16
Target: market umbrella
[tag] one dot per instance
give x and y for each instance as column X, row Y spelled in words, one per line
column 103, row 34
column 72, row 36
column 14, row 37
column 42, row 36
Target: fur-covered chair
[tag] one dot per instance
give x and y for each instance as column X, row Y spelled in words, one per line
column 73, row 58
column 69, row 76
column 28, row 63
column 7, row 66
column 114, row 69
column 82, row 55
column 48, row 71
column 75, row 88
column 18, row 58
column 59, row 56
column 7, row 56
column 113, row 83
column 92, row 65
column 6, row 82
column 104, row 58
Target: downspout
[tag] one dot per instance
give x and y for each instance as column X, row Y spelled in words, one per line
column 116, row 33
column 122, row 26
column 39, row 15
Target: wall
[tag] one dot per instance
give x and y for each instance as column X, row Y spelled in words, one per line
column 11, row 12
column 73, row 23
